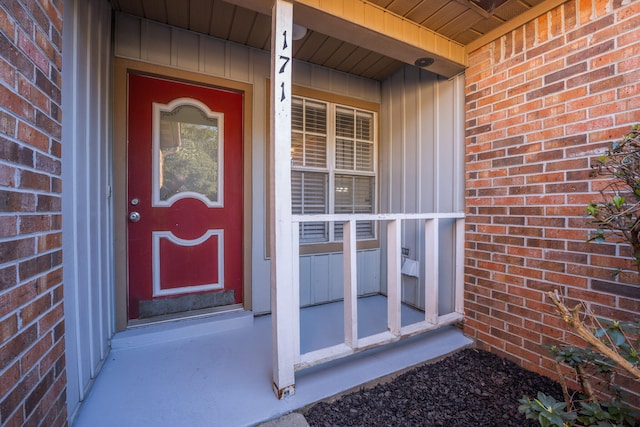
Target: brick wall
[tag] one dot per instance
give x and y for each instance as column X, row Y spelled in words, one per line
column 541, row 103
column 32, row 374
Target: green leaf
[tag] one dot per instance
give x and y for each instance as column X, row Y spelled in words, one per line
column 618, row 201
column 617, row 336
column 597, row 236
column 591, row 413
column 620, row 413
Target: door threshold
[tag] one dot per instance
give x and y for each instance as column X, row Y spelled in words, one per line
column 205, row 322
column 185, row 315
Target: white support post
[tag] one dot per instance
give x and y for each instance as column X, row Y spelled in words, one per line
column 350, row 284
column 394, row 279
column 459, row 279
column 283, row 303
column 431, row 270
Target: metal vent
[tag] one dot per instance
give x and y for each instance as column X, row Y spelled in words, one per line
column 488, row 5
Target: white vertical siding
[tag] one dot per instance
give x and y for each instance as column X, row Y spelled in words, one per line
column 163, row 45
column 422, row 121
column 86, row 207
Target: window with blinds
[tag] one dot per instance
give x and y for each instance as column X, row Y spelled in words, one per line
column 333, row 166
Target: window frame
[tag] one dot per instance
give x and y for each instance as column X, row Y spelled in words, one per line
column 348, row 102
column 332, row 167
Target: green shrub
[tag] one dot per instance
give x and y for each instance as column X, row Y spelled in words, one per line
column 612, row 346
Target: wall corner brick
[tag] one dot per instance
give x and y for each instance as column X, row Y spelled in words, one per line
column 32, row 383
column 527, row 190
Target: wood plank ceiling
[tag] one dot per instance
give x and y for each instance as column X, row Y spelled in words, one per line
column 461, row 21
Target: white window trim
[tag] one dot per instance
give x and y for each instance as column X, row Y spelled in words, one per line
column 331, row 169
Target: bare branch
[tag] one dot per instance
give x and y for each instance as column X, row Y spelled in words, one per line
column 572, row 318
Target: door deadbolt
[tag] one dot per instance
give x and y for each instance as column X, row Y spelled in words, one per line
column 134, row 217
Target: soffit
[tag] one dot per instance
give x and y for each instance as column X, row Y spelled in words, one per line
column 368, row 38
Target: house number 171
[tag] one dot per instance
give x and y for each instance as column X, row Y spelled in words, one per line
column 286, row 60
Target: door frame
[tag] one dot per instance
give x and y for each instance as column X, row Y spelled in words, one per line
column 121, row 69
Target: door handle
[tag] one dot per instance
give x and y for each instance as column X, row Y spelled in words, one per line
column 134, row 216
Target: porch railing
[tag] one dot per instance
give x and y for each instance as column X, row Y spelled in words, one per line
column 395, row 331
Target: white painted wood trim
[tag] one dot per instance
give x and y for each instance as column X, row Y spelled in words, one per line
column 283, row 304
column 375, row 217
column 431, row 270
column 394, row 279
column 459, row 279
column 450, row 318
column 419, row 328
column 295, row 265
column 350, row 284
column 416, row 328
column 386, row 337
column 395, row 330
column 335, row 352
column 324, row 355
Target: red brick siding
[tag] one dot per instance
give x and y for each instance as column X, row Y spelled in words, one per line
column 541, row 103
column 32, row 375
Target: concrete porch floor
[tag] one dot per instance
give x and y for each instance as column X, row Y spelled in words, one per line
column 216, row 371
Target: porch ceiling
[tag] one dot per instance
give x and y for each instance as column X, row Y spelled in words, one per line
column 368, row 38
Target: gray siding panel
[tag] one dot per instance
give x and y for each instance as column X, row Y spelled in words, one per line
column 422, row 122
column 86, row 206
column 321, row 276
column 368, row 272
column 305, row 282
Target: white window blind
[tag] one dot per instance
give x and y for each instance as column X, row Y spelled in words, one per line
column 309, row 133
column 309, row 196
column 333, row 166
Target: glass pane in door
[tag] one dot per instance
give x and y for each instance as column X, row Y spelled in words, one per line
column 189, row 153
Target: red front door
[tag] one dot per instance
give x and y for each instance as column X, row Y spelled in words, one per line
column 184, row 197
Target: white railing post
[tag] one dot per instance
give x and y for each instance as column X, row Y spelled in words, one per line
column 295, row 270
column 283, row 302
column 350, row 284
column 394, row 279
column 459, row 279
column 433, row 319
column 431, row 270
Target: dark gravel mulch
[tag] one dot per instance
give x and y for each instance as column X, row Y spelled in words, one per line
column 468, row 388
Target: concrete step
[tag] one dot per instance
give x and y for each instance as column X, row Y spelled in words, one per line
column 290, row 420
